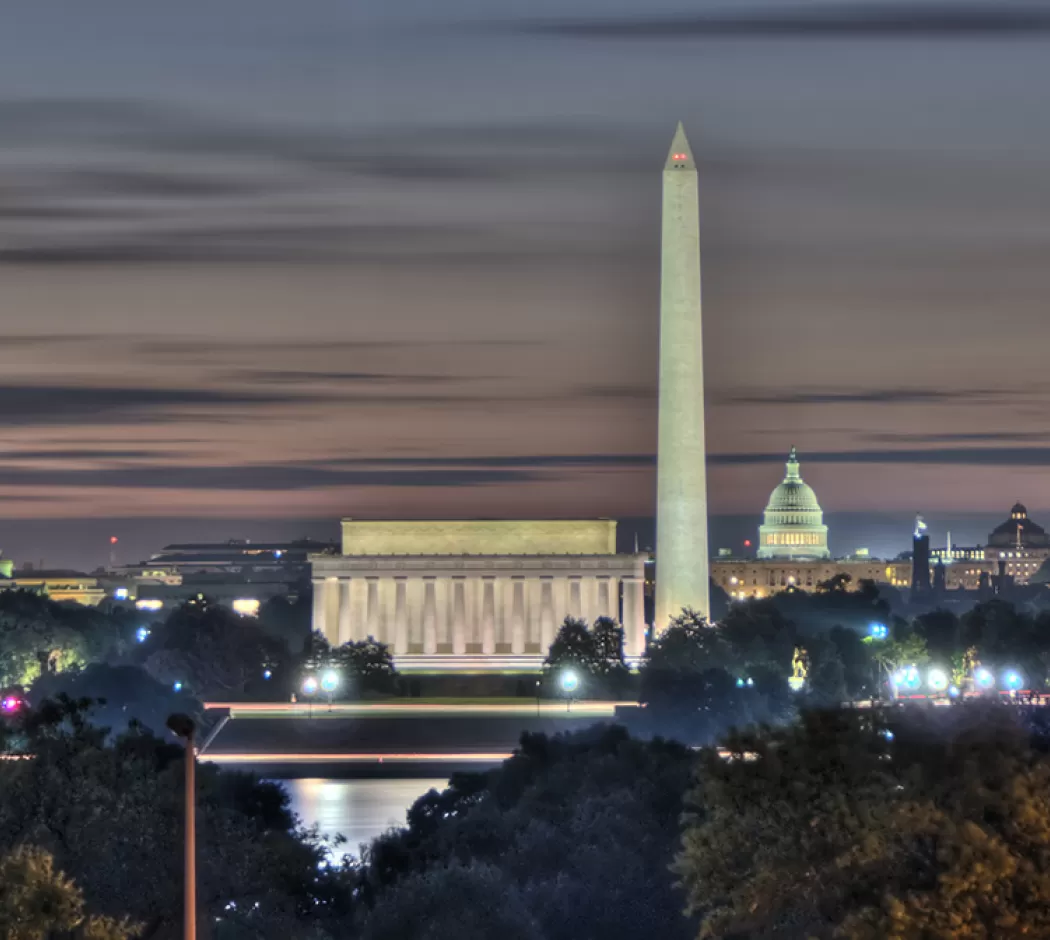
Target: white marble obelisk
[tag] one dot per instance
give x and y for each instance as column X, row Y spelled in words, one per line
column 681, row 472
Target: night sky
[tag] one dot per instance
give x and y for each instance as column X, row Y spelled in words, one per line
column 265, row 264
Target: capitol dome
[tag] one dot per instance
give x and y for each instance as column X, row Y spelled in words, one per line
column 793, row 523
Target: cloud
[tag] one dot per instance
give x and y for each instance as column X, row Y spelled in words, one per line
column 28, row 405
column 85, row 453
column 987, row 437
column 536, row 461
column 262, row 477
column 873, row 396
column 827, row 20
column 958, row 456
column 307, row 377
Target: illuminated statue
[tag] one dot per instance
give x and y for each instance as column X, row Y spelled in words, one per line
column 799, row 669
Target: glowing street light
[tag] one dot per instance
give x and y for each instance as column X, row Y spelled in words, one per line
column 878, row 631
column 570, row 683
column 937, row 680
column 310, row 686
column 983, row 678
column 176, row 686
column 142, row 634
column 1012, row 680
column 330, row 681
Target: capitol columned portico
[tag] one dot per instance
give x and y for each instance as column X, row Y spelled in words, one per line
column 475, row 596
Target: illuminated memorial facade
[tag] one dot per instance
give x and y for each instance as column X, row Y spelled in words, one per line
column 484, row 596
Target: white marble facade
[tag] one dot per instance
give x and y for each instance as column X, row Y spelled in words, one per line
column 474, row 613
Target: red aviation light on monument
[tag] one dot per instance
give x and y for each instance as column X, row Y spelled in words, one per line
column 112, row 540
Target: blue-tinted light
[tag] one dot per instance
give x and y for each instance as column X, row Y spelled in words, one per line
column 330, row 680
column 1012, row 680
column 983, row 678
column 878, row 631
column 176, row 686
column 570, row 682
column 267, row 673
column 310, row 685
column 142, row 634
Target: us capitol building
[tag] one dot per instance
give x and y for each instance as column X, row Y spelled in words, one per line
column 793, row 548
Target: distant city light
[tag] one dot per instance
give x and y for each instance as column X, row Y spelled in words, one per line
column 142, row 634
column 113, row 540
column 11, row 703
column 310, row 685
column 267, row 673
column 1012, row 680
column 149, row 603
column 176, row 686
column 330, row 680
column 953, row 691
column 569, row 681
column 878, row 631
column 937, row 680
column 747, row 543
column 983, row 678
column 121, row 594
column 245, row 606
column 278, row 553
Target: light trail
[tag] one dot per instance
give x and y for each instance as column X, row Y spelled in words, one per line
column 474, row 757
column 587, row 709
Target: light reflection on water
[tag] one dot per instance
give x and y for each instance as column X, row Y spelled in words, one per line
column 359, row 810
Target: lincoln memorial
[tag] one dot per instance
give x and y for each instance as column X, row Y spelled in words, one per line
column 461, row 596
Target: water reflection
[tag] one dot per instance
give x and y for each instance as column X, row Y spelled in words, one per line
column 359, row 810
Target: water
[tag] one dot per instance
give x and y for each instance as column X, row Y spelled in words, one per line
column 358, row 810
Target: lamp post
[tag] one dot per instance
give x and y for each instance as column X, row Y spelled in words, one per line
column 309, row 688
column 330, row 682
column 183, row 727
column 570, row 682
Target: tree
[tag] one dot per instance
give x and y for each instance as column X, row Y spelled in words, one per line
column 210, row 650
column 835, row 828
column 596, row 653
column 37, row 901
column 574, row 834
column 110, row 814
column 121, row 694
column 363, row 665
column 836, row 584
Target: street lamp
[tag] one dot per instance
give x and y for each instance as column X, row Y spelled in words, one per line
column 878, row 631
column 309, row 688
column 183, row 727
column 1012, row 680
column 937, row 680
column 330, row 682
column 569, row 682
column 983, row 678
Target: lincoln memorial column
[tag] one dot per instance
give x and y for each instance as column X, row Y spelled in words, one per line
column 459, row 617
column 589, row 590
column 488, row 616
column 399, row 638
column 517, row 616
column 346, row 625
column 633, row 617
column 546, row 614
column 604, row 607
column 372, row 609
column 575, row 606
column 320, row 610
column 429, row 616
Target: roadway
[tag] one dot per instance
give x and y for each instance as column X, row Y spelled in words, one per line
column 363, row 740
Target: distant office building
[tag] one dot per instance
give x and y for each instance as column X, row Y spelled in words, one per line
column 58, row 585
column 793, row 523
column 238, row 573
column 743, row 578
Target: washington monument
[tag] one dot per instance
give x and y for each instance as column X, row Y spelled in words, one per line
column 681, row 472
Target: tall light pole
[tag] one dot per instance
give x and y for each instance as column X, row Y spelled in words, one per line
column 184, row 728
